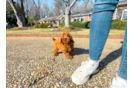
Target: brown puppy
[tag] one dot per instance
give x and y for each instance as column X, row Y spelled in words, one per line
column 65, row 44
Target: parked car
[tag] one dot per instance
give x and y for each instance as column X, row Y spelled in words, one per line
column 49, row 26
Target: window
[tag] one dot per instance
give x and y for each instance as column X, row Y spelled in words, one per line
column 82, row 18
column 76, row 19
column 49, row 21
column 124, row 15
column 79, row 18
column 62, row 20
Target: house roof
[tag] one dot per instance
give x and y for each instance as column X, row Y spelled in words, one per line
column 89, row 11
column 50, row 18
column 82, row 13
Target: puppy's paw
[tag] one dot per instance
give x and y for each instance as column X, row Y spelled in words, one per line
column 73, row 51
column 55, row 54
column 69, row 57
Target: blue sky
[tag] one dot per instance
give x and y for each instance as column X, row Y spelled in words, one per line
column 51, row 2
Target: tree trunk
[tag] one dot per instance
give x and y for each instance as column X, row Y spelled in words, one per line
column 19, row 22
column 67, row 18
column 23, row 14
column 31, row 25
column 67, row 11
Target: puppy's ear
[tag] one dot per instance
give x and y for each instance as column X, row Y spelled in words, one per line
column 71, row 37
column 72, row 40
column 62, row 35
column 61, row 41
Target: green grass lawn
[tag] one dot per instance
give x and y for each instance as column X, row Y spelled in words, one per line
column 49, row 31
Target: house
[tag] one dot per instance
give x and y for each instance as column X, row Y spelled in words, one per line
column 56, row 20
column 86, row 15
column 120, row 11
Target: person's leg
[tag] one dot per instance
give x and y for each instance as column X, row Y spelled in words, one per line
column 100, row 26
column 121, row 78
column 99, row 29
column 122, row 72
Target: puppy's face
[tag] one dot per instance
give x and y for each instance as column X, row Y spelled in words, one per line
column 66, row 38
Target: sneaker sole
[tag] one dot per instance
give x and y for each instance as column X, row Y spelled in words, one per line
column 85, row 80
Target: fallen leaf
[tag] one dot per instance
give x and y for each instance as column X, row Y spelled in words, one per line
column 85, row 58
column 15, row 81
column 42, row 79
column 50, row 85
column 27, row 83
column 45, row 83
column 54, row 76
column 45, row 67
column 39, row 81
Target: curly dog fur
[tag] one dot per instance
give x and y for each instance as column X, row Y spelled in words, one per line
column 65, row 44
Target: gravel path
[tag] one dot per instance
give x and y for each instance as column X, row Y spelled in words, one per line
column 30, row 64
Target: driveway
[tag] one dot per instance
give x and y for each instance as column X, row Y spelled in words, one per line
column 30, row 64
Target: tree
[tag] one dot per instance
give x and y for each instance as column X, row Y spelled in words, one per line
column 57, row 7
column 46, row 8
column 67, row 11
column 87, row 4
column 23, row 14
column 30, row 20
column 27, row 4
column 51, row 14
column 37, row 8
column 10, row 16
column 75, row 8
column 19, row 21
column 91, row 4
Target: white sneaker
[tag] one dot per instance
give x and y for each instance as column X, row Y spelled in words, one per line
column 118, row 83
column 82, row 74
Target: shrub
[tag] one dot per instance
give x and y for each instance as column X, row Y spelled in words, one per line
column 39, row 25
column 33, row 26
column 45, row 25
column 71, row 27
column 62, row 24
column 118, row 24
column 86, row 24
column 77, row 24
column 16, row 28
column 59, row 27
column 64, row 27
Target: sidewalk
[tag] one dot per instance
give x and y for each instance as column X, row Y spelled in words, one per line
column 59, row 35
column 30, row 63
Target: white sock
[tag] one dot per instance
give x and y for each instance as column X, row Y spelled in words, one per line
column 93, row 61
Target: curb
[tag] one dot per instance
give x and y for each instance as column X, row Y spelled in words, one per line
column 59, row 35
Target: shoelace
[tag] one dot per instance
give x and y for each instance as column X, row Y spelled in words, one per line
column 85, row 65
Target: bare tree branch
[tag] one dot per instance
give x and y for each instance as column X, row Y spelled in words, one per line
column 72, row 4
column 65, row 1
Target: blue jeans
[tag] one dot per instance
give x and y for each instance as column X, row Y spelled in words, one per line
column 99, row 30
